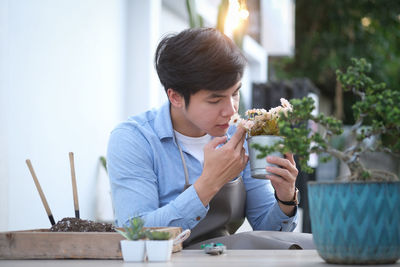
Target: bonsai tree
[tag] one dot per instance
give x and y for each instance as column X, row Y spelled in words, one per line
column 377, row 119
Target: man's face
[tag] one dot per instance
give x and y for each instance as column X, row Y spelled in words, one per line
column 210, row 111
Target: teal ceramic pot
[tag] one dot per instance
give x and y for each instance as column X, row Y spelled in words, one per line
column 258, row 166
column 356, row 222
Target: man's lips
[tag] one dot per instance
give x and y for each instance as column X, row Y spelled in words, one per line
column 223, row 126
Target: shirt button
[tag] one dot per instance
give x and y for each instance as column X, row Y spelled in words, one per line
column 198, row 218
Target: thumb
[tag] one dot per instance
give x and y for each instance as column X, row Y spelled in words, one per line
column 216, row 142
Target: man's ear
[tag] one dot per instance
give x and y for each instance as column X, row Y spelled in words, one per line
column 175, row 98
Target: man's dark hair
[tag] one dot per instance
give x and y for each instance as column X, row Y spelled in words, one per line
column 199, row 58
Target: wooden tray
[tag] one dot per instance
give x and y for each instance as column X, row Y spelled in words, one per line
column 42, row 244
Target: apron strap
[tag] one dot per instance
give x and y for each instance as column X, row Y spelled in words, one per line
column 184, row 165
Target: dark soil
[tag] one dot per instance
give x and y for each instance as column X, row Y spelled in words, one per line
column 79, row 225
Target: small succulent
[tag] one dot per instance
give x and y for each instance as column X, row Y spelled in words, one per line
column 133, row 231
column 158, row 235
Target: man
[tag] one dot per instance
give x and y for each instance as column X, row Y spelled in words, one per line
column 183, row 165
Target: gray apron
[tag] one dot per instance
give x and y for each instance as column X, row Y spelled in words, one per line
column 226, row 213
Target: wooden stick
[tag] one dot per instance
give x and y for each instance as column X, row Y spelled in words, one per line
column 39, row 188
column 74, row 189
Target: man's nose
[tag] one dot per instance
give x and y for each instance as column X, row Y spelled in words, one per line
column 229, row 109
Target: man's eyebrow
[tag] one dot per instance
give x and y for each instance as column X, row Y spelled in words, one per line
column 216, row 95
column 237, row 89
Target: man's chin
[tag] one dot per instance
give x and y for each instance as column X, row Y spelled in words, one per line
column 218, row 132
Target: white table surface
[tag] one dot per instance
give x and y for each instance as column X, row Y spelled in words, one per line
column 193, row 258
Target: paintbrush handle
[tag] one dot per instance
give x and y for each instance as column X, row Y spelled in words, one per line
column 74, row 188
column 39, row 188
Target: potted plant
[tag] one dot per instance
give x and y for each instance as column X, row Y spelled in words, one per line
column 133, row 248
column 263, row 130
column 356, row 219
column 159, row 245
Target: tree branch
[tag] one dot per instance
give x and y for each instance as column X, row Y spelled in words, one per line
column 338, row 154
column 359, row 93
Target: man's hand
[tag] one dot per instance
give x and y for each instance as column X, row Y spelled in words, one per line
column 221, row 164
column 284, row 183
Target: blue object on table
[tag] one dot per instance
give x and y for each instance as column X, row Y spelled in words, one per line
column 213, row 248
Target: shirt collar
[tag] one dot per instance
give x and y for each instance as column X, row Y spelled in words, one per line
column 163, row 122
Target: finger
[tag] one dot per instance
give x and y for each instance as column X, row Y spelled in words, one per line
column 281, row 172
column 285, row 163
column 275, row 180
column 245, row 160
column 241, row 142
column 278, row 183
column 216, row 141
column 244, row 157
column 290, row 157
column 242, row 153
column 237, row 137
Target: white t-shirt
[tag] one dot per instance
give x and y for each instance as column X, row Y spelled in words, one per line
column 194, row 145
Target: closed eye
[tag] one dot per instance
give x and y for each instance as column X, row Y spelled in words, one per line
column 215, row 98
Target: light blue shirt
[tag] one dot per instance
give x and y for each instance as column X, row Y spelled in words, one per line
column 147, row 179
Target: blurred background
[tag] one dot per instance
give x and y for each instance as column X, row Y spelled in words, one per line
column 70, row 70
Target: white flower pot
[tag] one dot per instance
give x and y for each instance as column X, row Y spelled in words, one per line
column 159, row 250
column 258, row 166
column 133, row 250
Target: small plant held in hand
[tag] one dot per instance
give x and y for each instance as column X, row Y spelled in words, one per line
column 377, row 115
column 134, row 231
column 263, row 130
column 262, row 122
